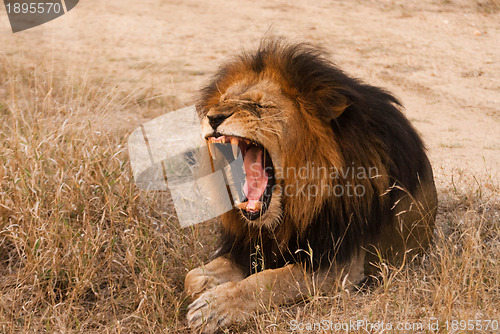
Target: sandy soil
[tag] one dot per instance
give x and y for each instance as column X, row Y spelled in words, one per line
column 441, row 58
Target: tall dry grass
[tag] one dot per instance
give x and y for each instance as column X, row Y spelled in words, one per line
column 83, row 250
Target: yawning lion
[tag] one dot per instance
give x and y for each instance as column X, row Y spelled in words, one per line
column 336, row 179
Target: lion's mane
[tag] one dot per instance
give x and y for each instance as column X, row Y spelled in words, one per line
column 368, row 130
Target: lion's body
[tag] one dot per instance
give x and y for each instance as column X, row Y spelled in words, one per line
column 374, row 195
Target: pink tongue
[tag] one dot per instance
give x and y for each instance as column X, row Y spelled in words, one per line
column 256, row 177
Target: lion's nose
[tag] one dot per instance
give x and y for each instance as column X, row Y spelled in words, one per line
column 216, row 120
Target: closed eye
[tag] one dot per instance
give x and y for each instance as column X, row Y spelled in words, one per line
column 257, row 108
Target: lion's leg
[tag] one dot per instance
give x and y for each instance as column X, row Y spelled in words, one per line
column 216, row 272
column 236, row 301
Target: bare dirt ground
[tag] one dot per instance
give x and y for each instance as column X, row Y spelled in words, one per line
column 136, row 60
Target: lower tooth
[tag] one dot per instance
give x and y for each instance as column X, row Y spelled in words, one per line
column 255, row 206
column 243, row 205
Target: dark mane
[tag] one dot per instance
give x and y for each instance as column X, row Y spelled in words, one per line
column 371, row 130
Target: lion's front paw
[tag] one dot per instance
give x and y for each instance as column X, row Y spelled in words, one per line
column 199, row 280
column 218, row 308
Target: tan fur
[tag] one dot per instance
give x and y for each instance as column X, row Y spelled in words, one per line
column 216, row 272
column 235, row 301
column 294, row 134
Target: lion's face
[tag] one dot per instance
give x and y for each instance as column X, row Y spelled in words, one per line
column 256, row 118
column 275, row 138
column 253, row 117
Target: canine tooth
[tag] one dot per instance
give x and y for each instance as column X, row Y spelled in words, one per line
column 211, row 148
column 234, row 145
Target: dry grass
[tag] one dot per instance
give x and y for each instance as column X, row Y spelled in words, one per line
column 83, row 250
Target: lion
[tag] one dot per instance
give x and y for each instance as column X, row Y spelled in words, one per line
column 337, row 179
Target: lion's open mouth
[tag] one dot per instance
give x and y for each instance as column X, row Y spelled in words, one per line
column 259, row 173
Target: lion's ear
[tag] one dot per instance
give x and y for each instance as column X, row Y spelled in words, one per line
column 337, row 108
